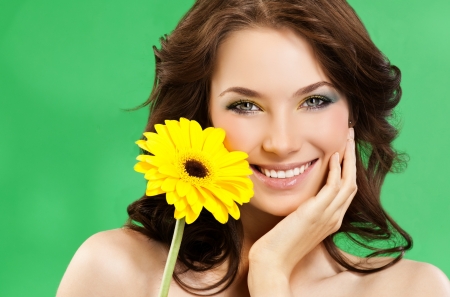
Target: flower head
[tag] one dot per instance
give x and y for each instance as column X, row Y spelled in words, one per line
column 195, row 170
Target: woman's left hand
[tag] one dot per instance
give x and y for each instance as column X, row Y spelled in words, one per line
column 273, row 257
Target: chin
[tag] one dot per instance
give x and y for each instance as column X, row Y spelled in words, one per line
column 280, row 207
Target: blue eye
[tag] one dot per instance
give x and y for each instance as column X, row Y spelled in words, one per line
column 315, row 102
column 243, row 107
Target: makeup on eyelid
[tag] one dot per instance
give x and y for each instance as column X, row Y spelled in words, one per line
column 325, row 101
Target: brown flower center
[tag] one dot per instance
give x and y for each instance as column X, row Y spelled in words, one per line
column 195, row 168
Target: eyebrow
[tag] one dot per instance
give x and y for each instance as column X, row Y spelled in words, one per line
column 251, row 93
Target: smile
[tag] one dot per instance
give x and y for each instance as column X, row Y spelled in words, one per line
column 283, row 177
column 274, row 173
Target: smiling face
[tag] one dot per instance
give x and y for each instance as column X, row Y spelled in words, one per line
column 271, row 97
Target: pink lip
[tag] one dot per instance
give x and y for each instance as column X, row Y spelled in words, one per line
column 283, row 183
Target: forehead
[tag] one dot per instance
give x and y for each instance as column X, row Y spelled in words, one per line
column 276, row 59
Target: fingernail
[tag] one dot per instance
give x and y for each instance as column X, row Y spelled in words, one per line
column 336, row 158
column 352, row 133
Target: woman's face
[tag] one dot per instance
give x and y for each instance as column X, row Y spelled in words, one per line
column 271, row 97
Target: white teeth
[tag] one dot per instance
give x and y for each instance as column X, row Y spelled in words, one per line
column 285, row 174
column 302, row 169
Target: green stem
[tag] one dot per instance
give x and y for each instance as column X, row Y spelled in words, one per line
column 172, row 257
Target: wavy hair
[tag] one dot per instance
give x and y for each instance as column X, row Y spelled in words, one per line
column 184, row 65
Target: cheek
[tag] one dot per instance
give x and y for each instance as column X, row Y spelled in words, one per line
column 329, row 130
column 241, row 134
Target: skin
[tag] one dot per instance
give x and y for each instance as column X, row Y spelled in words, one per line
column 284, row 227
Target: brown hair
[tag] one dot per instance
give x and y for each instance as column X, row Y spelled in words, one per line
column 351, row 61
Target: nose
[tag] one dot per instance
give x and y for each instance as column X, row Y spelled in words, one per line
column 282, row 137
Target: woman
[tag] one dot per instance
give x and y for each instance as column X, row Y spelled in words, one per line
column 295, row 84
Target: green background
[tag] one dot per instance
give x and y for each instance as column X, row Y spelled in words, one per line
column 69, row 68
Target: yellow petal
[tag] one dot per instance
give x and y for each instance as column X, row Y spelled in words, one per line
column 196, row 136
column 151, row 136
column 221, row 214
column 169, row 184
column 191, row 216
column 214, row 141
column 155, row 142
column 153, row 175
column 169, row 169
column 230, row 187
column 243, row 193
column 164, row 140
column 241, row 181
column 246, row 195
column 231, row 192
column 185, row 131
column 161, row 150
column 175, row 133
column 182, row 188
column 239, row 164
column 232, row 171
column 232, row 196
column 153, row 160
column 153, row 192
column 152, row 170
column 179, row 214
column 197, row 208
column 154, row 184
column 164, row 133
column 201, row 199
column 181, row 204
column 210, row 202
column 143, row 167
column 220, row 194
column 220, row 153
column 233, row 210
column 172, row 197
column 192, row 196
column 231, row 158
column 142, row 144
column 206, row 132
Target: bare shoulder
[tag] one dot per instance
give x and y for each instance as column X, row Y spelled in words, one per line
column 118, row 262
column 410, row 278
column 423, row 279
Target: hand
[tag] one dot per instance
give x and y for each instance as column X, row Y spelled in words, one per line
column 296, row 235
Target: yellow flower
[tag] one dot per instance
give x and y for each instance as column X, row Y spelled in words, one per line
column 195, row 170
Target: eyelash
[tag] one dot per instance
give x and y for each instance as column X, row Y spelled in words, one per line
column 325, row 102
column 234, row 106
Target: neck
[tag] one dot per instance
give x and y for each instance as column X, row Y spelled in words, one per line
column 256, row 223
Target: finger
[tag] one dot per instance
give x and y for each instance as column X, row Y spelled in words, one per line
column 333, row 184
column 351, row 133
column 340, row 213
column 348, row 182
column 349, row 160
column 348, row 202
column 342, row 201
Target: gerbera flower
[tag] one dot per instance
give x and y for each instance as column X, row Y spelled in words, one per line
column 195, row 170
